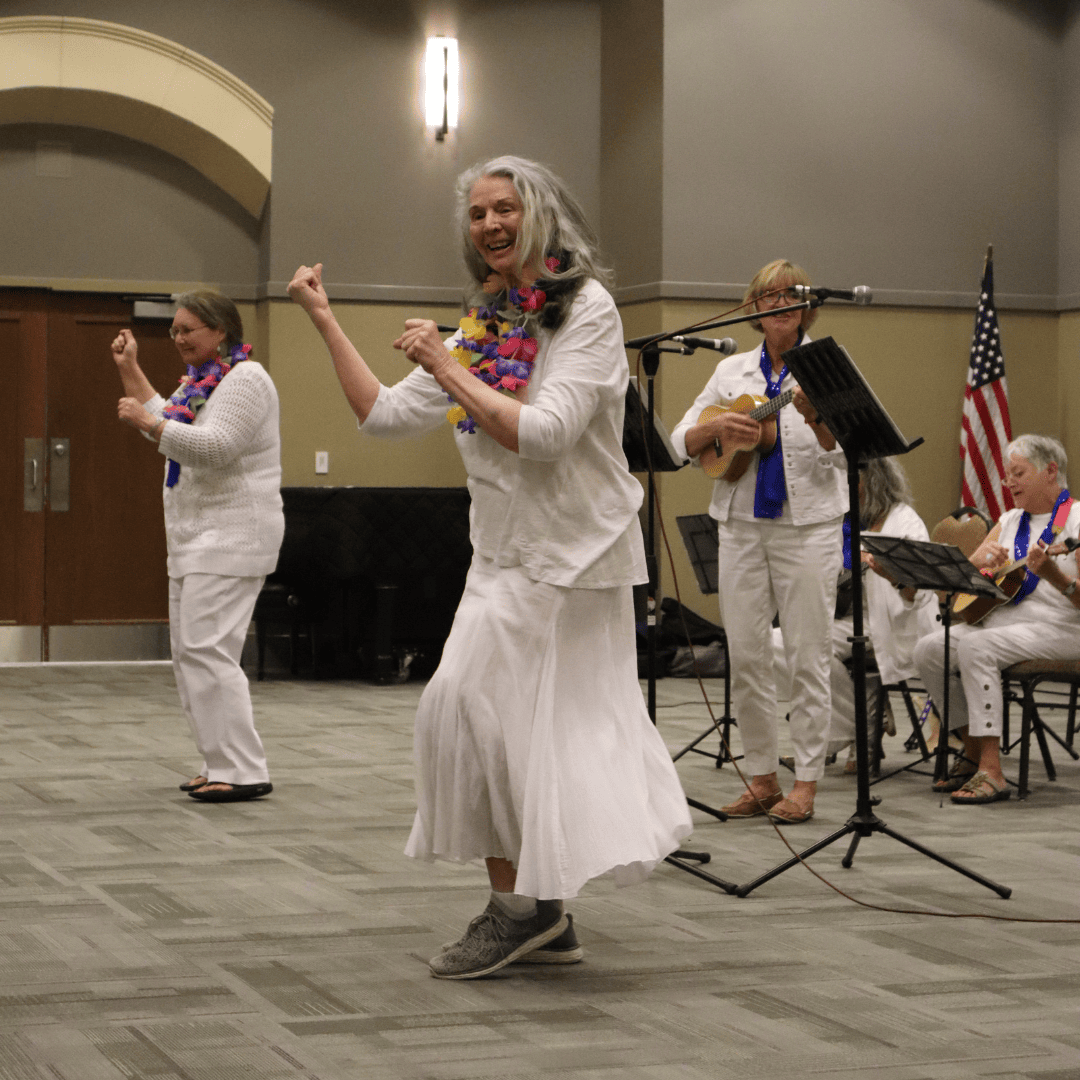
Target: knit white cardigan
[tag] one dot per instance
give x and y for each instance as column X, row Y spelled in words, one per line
column 223, row 515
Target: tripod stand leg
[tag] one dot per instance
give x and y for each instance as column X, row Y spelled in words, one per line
column 776, row 871
column 718, row 814
column 675, row 859
column 1002, row 890
column 849, row 858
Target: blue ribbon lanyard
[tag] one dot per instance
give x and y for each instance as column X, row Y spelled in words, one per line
column 770, row 491
column 1023, row 538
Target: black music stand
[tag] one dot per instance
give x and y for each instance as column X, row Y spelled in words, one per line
column 702, row 546
column 943, row 568
column 649, row 449
column 850, row 409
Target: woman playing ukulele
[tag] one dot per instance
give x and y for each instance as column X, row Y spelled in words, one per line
column 779, row 526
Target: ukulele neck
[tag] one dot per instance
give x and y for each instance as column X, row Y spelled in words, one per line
column 763, row 412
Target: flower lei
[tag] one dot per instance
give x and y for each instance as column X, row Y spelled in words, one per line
column 192, row 393
column 499, row 354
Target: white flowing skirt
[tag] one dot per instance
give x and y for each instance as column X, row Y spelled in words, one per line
column 533, row 743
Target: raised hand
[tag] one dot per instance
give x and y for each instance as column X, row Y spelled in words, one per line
column 124, row 348
column 306, row 289
column 423, row 344
column 130, row 411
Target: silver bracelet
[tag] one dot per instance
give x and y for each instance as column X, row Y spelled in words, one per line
column 1070, row 588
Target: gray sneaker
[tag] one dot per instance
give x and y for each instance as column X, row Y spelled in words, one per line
column 565, row 949
column 494, row 940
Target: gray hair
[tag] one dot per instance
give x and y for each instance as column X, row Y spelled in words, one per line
column 217, row 311
column 884, row 484
column 1040, row 450
column 552, row 223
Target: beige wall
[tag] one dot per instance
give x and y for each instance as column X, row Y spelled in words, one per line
column 315, row 415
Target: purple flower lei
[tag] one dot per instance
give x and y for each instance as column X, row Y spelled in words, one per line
column 194, row 390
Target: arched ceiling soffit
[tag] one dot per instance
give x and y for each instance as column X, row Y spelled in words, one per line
column 62, row 70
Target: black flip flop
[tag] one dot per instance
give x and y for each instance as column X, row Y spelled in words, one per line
column 235, row 792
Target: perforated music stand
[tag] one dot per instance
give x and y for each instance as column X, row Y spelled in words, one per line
column 702, row 545
column 850, row 409
column 946, row 569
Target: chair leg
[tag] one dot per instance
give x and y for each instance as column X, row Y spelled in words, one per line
column 1040, row 734
column 1025, row 739
column 1070, row 728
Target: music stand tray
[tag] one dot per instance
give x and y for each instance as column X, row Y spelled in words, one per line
column 702, row 545
column 660, row 450
column 864, row 430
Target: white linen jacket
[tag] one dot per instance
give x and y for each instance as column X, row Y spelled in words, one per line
column 565, row 506
column 815, row 478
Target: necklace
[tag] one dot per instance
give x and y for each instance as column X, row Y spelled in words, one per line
column 498, row 352
column 194, row 390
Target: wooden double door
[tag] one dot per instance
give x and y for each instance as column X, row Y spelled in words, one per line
column 82, row 565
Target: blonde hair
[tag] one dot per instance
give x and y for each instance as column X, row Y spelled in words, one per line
column 779, row 274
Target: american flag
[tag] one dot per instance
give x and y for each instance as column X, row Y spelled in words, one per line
column 986, row 430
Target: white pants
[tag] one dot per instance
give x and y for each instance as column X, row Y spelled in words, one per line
column 977, row 655
column 208, row 621
column 842, row 728
column 767, row 567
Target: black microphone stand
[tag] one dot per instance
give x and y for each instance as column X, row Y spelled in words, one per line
column 650, row 363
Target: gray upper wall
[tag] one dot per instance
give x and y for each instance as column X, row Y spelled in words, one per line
column 879, row 142
column 883, row 142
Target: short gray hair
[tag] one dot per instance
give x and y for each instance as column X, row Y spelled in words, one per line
column 217, row 311
column 1040, row 450
column 552, row 223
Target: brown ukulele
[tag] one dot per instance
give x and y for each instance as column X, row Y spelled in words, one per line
column 1008, row 579
column 973, row 609
column 730, row 465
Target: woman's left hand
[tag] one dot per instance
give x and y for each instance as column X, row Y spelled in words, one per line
column 131, row 412
column 803, row 406
column 423, row 344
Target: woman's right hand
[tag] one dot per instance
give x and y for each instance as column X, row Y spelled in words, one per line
column 124, row 349
column 306, row 289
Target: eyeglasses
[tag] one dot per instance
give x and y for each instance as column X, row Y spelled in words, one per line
column 778, row 299
column 185, row 331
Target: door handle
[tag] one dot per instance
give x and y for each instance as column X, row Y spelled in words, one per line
column 33, row 491
column 59, row 475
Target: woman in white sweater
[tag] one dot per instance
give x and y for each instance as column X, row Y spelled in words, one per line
column 223, row 524
column 534, row 750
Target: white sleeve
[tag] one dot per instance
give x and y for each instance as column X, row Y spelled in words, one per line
column 241, row 402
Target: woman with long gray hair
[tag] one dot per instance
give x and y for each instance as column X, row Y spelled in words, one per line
column 895, row 618
column 223, row 525
column 534, row 751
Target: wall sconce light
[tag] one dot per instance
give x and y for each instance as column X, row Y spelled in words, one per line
column 441, row 95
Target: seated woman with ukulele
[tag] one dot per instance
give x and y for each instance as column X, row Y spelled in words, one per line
column 1040, row 622
column 779, row 500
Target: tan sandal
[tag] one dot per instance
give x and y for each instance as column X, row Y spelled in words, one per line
column 981, row 788
column 751, row 805
column 787, row 813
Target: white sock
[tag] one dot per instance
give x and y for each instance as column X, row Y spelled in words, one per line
column 515, row 905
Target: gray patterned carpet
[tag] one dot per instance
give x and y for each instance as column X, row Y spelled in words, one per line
column 144, row 935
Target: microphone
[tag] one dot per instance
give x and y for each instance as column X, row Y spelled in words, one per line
column 445, row 329
column 861, row 294
column 724, row 346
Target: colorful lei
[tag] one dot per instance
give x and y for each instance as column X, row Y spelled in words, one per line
column 498, row 353
column 192, row 393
